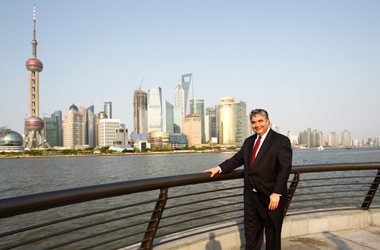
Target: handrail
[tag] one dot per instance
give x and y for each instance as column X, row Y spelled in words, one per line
column 14, row 206
column 41, row 201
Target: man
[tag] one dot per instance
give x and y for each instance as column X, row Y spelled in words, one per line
column 267, row 159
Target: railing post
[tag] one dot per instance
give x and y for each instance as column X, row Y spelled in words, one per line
column 292, row 190
column 371, row 192
column 156, row 217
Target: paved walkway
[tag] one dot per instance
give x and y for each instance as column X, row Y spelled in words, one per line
column 366, row 239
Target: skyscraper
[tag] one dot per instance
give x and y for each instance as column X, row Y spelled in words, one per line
column 333, row 139
column 90, row 138
column 73, row 128
column 154, row 109
column 169, row 118
column 57, row 116
column 187, row 85
column 50, row 131
column 227, row 121
column 240, row 122
column 197, row 106
column 193, row 129
column 140, row 105
column 108, row 109
column 249, row 126
column 179, row 100
column 346, row 139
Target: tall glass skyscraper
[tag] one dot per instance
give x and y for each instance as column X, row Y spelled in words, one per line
column 57, row 116
column 240, row 122
column 169, row 118
column 154, row 109
column 108, row 109
column 90, row 127
column 197, row 106
column 50, row 131
column 187, row 85
column 140, row 106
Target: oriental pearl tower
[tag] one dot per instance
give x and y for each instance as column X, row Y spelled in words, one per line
column 34, row 124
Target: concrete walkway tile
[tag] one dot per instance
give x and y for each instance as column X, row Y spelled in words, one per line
column 294, row 244
column 363, row 237
column 335, row 243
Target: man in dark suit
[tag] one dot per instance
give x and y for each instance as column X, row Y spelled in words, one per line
column 267, row 159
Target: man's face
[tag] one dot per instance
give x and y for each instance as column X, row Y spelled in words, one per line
column 260, row 125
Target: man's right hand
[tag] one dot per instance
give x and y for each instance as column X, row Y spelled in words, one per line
column 213, row 171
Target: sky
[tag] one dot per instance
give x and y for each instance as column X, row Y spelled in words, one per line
column 310, row 64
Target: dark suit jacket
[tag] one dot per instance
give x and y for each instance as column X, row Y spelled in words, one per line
column 270, row 170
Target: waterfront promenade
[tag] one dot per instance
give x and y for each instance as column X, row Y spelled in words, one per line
column 340, row 229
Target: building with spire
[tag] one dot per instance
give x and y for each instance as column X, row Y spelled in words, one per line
column 34, row 124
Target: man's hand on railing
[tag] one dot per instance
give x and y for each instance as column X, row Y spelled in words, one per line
column 213, row 171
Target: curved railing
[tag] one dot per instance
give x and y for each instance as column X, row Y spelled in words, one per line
column 126, row 214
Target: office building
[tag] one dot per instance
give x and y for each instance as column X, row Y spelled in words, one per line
column 187, row 85
column 178, row 141
column 240, row 123
column 177, row 120
column 227, row 121
column 197, row 106
column 154, row 110
column 210, row 125
column 140, row 112
column 73, row 128
column 249, row 126
column 57, row 116
column 121, row 140
column 50, row 131
column 217, row 122
column 192, row 128
column 108, row 109
column 107, row 131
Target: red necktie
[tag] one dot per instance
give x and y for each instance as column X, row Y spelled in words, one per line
column 255, row 150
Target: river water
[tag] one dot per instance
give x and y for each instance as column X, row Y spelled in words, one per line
column 34, row 175
column 23, row 176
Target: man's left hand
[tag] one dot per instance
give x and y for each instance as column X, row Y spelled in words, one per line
column 274, row 200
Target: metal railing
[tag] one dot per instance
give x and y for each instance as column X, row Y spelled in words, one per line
column 145, row 214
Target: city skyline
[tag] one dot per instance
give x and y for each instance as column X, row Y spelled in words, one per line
column 317, row 61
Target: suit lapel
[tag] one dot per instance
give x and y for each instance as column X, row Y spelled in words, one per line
column 263, row 148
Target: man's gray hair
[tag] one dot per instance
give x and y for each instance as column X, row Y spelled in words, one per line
column 256, row 112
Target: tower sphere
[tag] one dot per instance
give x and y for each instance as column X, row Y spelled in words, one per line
column 33, row 64
column 34, row 124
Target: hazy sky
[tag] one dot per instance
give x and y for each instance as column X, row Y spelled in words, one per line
column 310, row 64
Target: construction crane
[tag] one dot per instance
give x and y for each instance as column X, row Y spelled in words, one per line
column 26, row 115
column 141, row 83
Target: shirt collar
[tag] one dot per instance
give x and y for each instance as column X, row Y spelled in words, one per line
column 264, row 135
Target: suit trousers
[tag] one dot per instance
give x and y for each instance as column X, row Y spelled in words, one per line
column 258, row 217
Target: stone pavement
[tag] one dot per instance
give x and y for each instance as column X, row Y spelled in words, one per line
column 366, row 239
